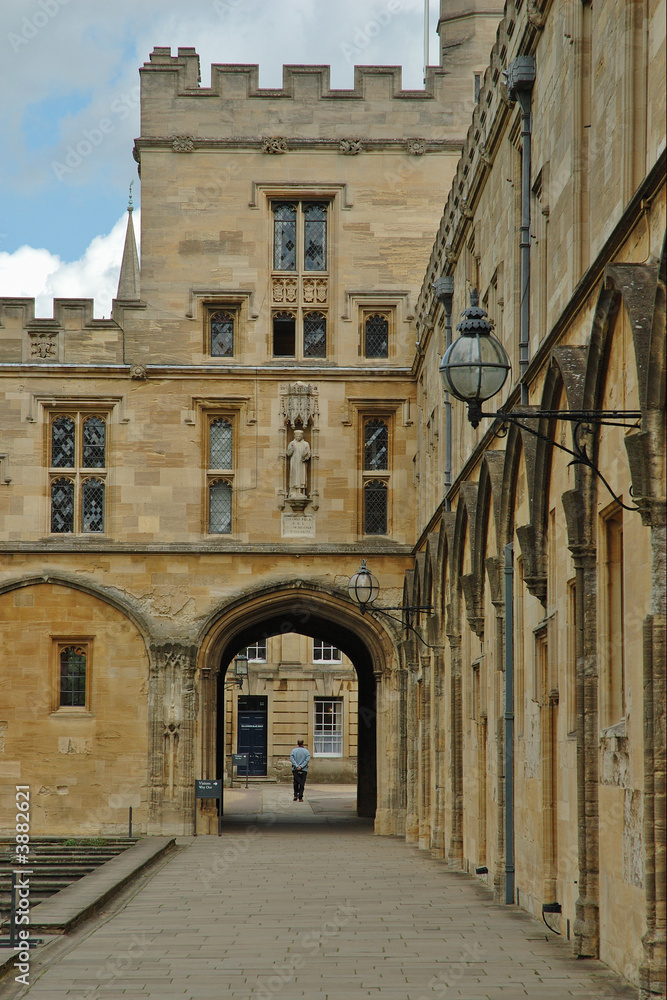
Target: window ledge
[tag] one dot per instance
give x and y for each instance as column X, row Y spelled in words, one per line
column 68, row 713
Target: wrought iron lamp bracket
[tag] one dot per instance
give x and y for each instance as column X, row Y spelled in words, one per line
column 405, row 622
column 584, row 421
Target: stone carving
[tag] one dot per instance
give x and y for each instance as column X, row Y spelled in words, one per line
column 138, row 372
column 416, row 147
column 43, row 345
column 350, row 147
column 183, row 144
column 299, row 403
column 274, row 144
column 298, row 453
column 535, row 16
column 466, row 210
column 285, row 289
column 315, row 290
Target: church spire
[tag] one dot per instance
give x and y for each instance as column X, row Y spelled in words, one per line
column 128, row 281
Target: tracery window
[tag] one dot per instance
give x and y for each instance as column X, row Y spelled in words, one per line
column 375, row 507
column 220, row 488
column 221, row 324
column 299, row 283
column 77, row 445
column 376, row 336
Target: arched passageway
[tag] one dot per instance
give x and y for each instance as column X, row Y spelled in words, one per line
column 322, row 615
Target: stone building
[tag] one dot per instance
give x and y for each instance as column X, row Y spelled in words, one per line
column 264, row 409
column 296, row 688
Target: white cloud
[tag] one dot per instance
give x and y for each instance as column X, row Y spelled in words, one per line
column 39, row 273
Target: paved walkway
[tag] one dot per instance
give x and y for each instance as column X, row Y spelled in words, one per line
column 307, row 902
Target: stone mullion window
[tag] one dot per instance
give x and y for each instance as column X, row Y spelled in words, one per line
column 71, row 678
column 77, row 472
column 220, row 461
column 300, row 284
column 376, row 475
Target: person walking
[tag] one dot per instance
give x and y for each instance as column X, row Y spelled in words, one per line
column 299, row 758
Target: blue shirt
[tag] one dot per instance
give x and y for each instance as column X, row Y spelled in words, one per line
column 299, row 758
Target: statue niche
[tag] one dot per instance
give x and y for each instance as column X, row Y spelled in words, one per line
column 299, row 412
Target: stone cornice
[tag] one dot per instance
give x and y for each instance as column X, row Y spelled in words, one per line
column 185, row 144
column 208, row 371
column 81, row 546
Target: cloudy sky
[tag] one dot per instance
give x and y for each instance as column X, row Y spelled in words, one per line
column 66, row 65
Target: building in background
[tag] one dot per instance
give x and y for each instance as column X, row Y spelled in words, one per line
column 297, row 688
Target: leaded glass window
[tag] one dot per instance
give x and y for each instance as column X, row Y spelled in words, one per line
column 62, row 506
column 314, row 335
column 284, row 236
column 63, row 443
column 94, row 440
column 222, row 334
column 376, row 336
column 73, row 677
column 220, row 444
column 376, row 446
column 375, row 507
column 328, row 727
column 220, row 507
column 315, row 237
column 92, row 505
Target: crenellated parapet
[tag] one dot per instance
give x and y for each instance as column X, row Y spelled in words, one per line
column 235, row 107
column 71, row 336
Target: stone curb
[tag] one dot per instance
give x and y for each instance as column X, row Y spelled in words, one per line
column 70, row 906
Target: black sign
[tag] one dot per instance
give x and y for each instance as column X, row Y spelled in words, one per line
column 208, row 789
column 240, row 759
column 205, row 789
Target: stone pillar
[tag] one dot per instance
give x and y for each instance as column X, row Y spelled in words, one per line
column 455, row 854
column 439, row 755
column 425, row 762
column 172, row 710
column 412, row 776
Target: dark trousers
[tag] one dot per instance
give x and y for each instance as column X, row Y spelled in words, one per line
column 299, row 782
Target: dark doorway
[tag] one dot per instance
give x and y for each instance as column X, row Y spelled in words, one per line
column 252, row 736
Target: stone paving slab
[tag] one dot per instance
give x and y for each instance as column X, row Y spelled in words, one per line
column 296, row 901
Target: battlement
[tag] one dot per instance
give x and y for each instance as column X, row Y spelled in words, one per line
column 71, row 335
column 174, row 102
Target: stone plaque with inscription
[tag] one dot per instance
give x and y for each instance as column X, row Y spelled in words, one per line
column 298, row 526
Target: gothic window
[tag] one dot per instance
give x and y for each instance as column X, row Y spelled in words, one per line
column 222, row 334
column 300, row 297
column 220, row 507
column 315, row 237
column 376, row 336
column 62, row 506
column 220, row 444
column 73, row 676
column 284, row 335
column 314, row 335
column 78, row 443
column 284, row 236
column 375, row 507
column 376, row 445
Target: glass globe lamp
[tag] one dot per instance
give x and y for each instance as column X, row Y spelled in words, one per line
column 363, row 586
column 475, row 366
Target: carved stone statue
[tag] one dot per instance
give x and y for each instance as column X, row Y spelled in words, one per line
column 298, row 452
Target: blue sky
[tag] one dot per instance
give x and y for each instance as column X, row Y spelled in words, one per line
column 66, row 66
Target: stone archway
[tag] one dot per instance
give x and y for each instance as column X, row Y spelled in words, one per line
column 322, row 614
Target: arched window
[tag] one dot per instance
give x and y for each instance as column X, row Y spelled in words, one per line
column 220, row 444
column 63, row 443
column 94, row 441
column 376, row 446
column 62, row 506
column 73, row 677
column 284, row 334
column 375, row 507
column 222, row 334
column 92, row 505
column 315, row 237
column 314, row 335
column 220, row 507
column 376, row 336
column 284, row 236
